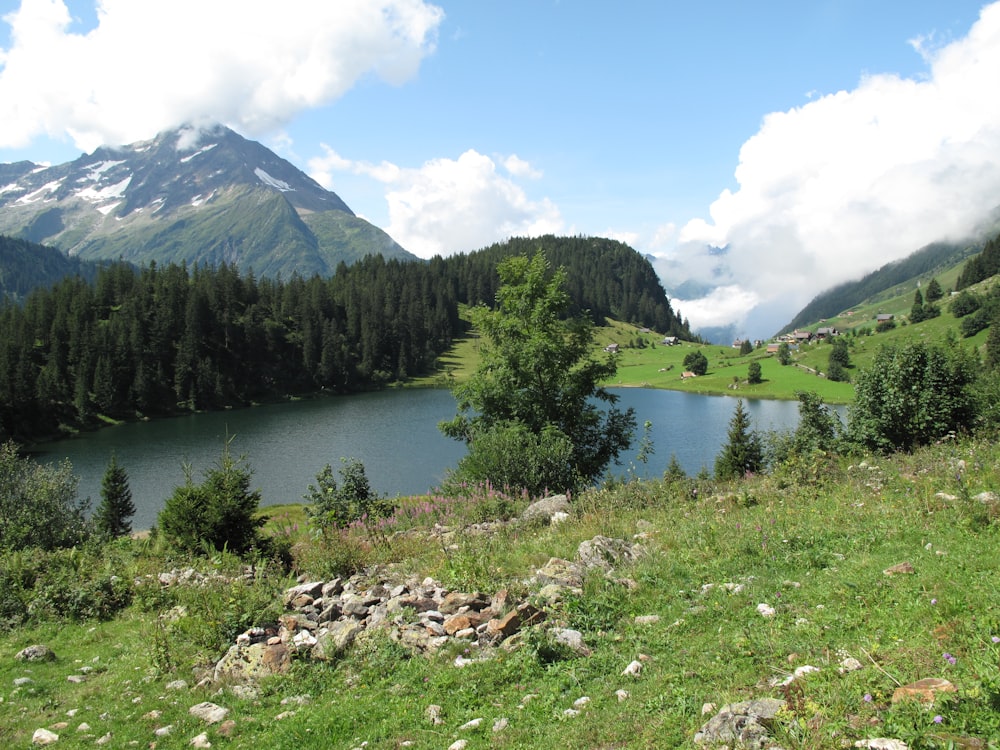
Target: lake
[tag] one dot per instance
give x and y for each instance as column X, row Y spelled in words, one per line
column 393, row 433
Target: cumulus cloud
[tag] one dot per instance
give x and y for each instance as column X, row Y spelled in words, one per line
column 852, row 180
column 446, row 205
column 149, row 65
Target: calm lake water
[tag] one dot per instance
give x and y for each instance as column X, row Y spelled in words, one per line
column 394, row 433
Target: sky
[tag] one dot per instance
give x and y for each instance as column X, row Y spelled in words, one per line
column 760, row 153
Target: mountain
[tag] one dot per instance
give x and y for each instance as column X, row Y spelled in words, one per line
column 197, row 196
column 925, row 262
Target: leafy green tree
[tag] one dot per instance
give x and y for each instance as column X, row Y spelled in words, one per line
column 220, row 513
column 743, row 452
column 745, row 347
column 837, row 372
column 112, row 517
column 753, row 373
column 38, row 504
column 784, row 354
column 911, row 396
column 537, row 370
column 696, row 362
column 840, row 353
column 331, row 506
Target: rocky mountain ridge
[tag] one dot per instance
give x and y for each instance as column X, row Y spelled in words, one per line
column 190, row 195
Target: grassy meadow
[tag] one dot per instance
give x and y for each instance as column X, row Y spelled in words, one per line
column 811, row 542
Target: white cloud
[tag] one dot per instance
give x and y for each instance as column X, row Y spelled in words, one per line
column 149, row 65
column 855, row 179
column 449, row 205
column 719, row 308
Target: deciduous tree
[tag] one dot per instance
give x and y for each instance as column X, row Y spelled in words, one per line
column 537, row 370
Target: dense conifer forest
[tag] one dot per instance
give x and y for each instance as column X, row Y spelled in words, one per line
column 165, row 340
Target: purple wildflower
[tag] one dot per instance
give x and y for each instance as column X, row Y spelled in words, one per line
column 949, row 658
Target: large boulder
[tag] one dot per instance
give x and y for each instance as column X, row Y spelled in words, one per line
column 244, row 663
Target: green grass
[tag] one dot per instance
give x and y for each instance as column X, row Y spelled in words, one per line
column 813, row 544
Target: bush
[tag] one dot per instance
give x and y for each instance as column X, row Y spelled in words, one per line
column 219, row 514
column 696, row 362
column 910, row 396
column 509, row 456
column 753, row 373
column 331, row 506
column 38, row 504
column 965, row 303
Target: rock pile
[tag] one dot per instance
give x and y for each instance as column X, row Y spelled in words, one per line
column 323, row 618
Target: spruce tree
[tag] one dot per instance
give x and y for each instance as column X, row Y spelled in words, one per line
column 743, row 452
column 114, row 513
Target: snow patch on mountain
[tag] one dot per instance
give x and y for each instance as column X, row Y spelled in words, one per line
column 199, row 152
column 100, row 168
column 48, row 187
column 272, row 181
column 101, row 195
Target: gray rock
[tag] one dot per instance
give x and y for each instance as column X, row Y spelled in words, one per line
column 250, row 663
column 209, row 712
column 746, row 723
column 559, row 572
column 546, row 508
column 38, row 652
column 604, row 552
column 572, row 639
column 335, row 640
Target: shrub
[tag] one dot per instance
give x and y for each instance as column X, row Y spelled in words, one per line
column 509, row 455
column 911, row 396
column 753, row 373
column 38, row 504
column 696, row 362
column 331, row 506
column 216, row 515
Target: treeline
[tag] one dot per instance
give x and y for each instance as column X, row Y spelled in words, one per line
column 605, row 277
column 160, row 341
column 165, row 340
column 982, row 266
column 25, row 266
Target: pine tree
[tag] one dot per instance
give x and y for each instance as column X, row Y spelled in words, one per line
column 113, row 515
column 744, row 452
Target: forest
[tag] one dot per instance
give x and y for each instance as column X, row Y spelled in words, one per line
column 155, row 341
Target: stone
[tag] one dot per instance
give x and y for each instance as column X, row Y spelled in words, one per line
column 572, row 639
column 622, row 695
column 745, row 724
column 924, row 691
column 634, row 669
column 243, row 663
column 455, row 601
column 501, row 724
column 104, row 739
column 472, row 724
column 458, row 745
column 37, row 652
column 312, row 590
column 560, row 572
column 433, row 714
column 163, row 731
column 882, row 743
column 200, row 741
column 647, row 619
column 23, row 681
column 604, row 552
column 903, row 568
column 176, row 685
column 336, row 639
column 209, row 712
column 546, row 508
column 44, row 737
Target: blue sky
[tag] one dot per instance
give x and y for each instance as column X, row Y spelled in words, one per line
column 815, row 141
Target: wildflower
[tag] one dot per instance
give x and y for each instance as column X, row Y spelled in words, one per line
column 995, row 639
column 938, row 719
column 949, row 658
column 933, row 601
column 868, row 697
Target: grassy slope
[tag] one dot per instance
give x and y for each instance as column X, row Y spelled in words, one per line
column 814, row 551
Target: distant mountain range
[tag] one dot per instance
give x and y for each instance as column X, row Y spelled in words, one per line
column 197, row 196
